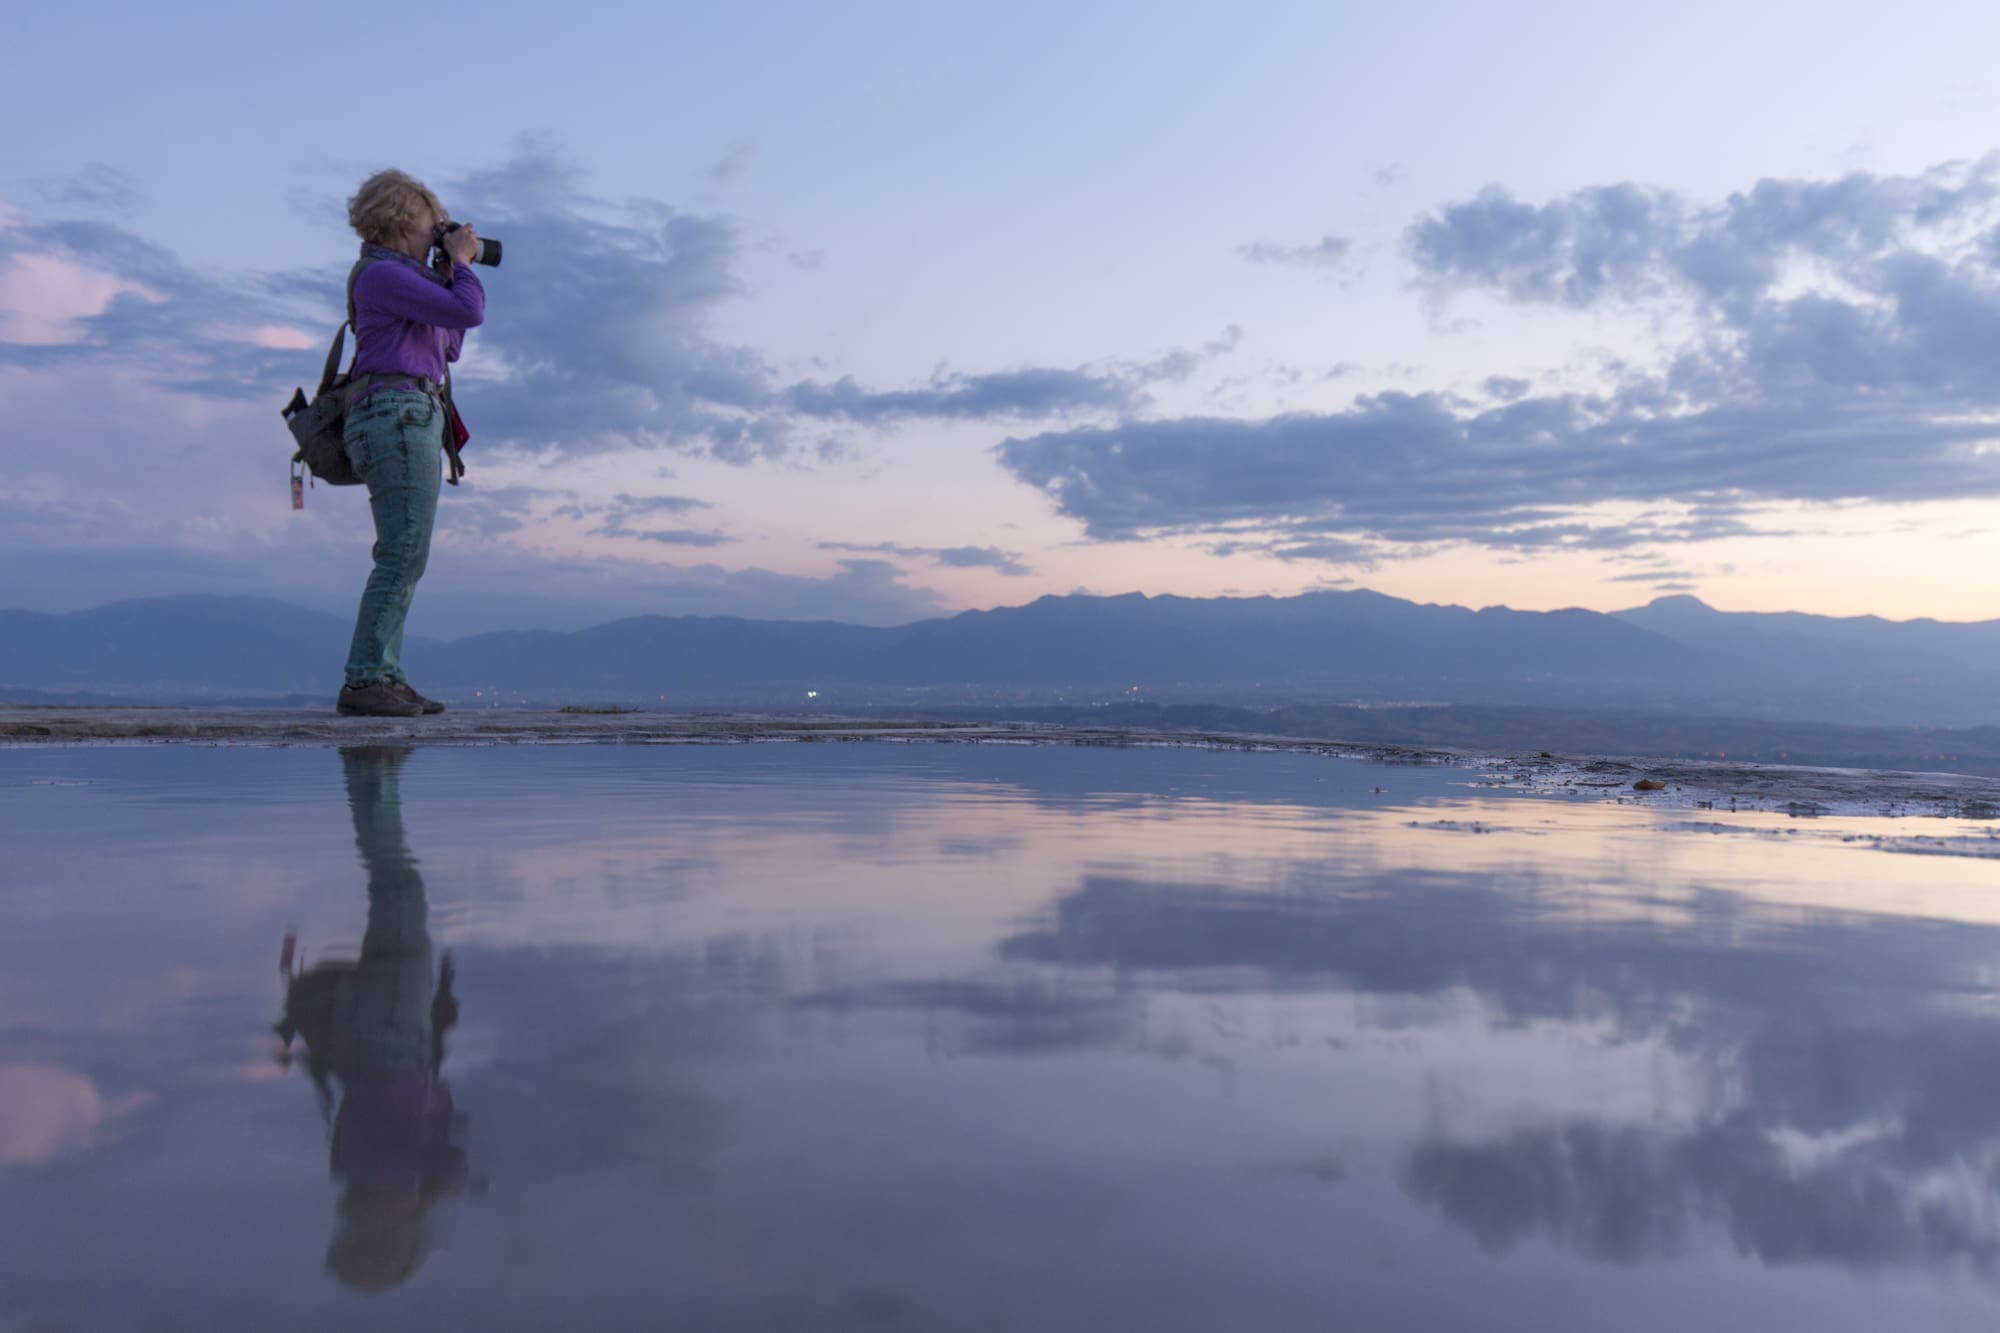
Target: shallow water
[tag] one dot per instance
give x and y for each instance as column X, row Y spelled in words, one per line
column 860, row 1036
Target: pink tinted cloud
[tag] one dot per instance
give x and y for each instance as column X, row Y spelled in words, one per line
column 43, row 296
column 46, row 1111
column 276, row 337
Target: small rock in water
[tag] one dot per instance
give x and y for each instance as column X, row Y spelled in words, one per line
column 1649, row 784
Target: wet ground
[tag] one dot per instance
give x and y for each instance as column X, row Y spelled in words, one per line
column 1692, row 784
column 1007, row 1035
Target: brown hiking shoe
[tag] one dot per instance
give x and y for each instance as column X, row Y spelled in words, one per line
column 375, row 699
column 405, row 690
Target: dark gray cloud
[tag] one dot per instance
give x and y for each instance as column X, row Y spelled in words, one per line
column 1842, row 353
column 1327, row 252
column 1415, row 468
column 601, row 318
column 981, row 557
column 1575, row 251
column 956, row 557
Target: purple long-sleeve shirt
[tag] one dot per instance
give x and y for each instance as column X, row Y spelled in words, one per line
column 406, row 324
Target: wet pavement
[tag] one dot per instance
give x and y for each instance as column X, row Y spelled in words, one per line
column 1672, row 783
column 978, row 1036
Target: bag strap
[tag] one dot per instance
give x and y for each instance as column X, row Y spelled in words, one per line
column 340, row 334
column 353, row 275
column 333, row 358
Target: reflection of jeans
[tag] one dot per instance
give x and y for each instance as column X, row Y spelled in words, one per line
column 382, row 1017
column 393, row 440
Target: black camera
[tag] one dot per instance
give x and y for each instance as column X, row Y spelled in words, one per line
column 488, row 252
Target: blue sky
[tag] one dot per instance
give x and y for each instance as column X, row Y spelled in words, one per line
column 881, row 311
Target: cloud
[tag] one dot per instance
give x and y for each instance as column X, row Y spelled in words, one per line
column 1011, row 1012
column 602, row 331
column 476, row 581
column 1034, row 392
column 1327, row 252
column 676, row 536
column 599, row 333
column 1626, row 1193
column 1840, row 1112
column 494, row 511
column 1413, row 468
column 45, row 298
column 617, row 519
column 86, row 295
column 1841, row 352
column 1659, row 576
column 955, row 557
column 1573, row 251
column 1626, row 242
column 1304, row 547
column 94, row 186
column 731, row 166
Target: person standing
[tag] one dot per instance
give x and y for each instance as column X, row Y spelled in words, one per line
column 410, row 322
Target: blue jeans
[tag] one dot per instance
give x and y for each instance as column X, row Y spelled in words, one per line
column 382, row 1011
column 394, row 439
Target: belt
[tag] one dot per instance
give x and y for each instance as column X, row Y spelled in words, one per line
column 388, row 379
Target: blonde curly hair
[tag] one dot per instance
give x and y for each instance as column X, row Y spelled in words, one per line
column 387, row 204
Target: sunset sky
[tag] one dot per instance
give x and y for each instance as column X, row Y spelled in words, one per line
column 878, row 311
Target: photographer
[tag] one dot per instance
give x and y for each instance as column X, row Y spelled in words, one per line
column 409, row 324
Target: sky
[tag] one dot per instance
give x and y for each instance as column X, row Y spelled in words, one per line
column 882, row 311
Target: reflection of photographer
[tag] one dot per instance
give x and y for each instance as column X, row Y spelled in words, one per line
column 376, row 1026
column 410, row 320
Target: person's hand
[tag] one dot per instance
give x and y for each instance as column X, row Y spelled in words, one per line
column 462, row 245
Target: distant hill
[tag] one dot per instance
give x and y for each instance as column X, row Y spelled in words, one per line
column 1674, row 656
column 173, row 647
column 1823, row 644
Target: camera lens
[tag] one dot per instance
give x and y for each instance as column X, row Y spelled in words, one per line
column 487, row 252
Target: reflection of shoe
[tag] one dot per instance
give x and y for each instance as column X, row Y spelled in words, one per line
column 375, row 699
column 405, row 690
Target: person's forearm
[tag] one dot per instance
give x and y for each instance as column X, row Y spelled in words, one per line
column 409, row 295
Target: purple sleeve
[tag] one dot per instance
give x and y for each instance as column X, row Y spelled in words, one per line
column 411, row 296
